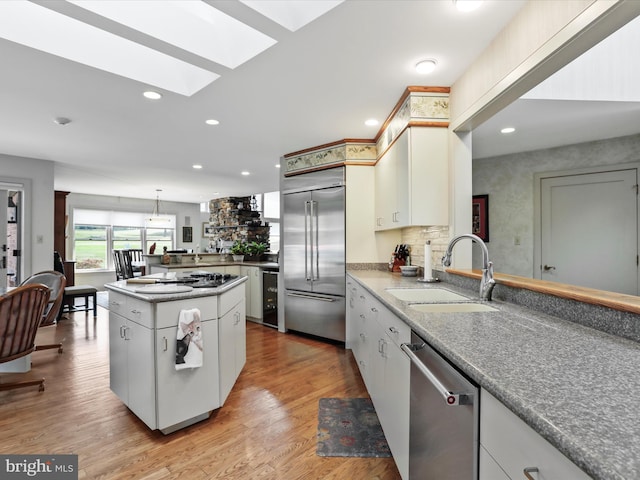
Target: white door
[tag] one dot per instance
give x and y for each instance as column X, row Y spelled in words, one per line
column 589, row 230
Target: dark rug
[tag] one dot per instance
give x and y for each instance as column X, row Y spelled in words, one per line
column 349, row 427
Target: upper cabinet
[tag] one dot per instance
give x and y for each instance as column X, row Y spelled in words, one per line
column 412, row 180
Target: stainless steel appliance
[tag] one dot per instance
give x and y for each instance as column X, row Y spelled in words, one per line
column 313, row 253
column 444, row 421
column 270, row 298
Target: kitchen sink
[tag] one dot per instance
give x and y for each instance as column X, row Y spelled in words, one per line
column 453, row 307
column 425, row 295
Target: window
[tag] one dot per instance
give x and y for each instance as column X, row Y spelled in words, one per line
column 90, row 246
column 96, row 233
column 270, row 203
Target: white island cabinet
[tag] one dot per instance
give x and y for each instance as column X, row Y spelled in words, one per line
column 142, row 352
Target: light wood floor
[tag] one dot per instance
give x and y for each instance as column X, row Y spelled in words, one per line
column 266, row 430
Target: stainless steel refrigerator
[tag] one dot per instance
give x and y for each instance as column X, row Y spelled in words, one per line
column 313, row 253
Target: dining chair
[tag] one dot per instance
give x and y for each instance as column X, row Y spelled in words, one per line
column 118, row 263
column 131, row 260
column 56, row 282
column 21, row 311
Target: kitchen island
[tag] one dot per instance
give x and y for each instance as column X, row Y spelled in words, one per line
column 572, row 385
column 143, row 342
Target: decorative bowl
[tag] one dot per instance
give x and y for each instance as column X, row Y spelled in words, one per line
column 409, row 270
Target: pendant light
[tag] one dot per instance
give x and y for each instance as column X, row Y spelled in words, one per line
column 157, row 220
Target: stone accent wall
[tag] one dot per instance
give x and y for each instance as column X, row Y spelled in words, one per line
column 233, row 219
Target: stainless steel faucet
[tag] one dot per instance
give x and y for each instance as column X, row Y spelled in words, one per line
column 487, row 283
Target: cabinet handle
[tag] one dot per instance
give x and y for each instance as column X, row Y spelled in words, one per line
column 529, row 470
column 166, row 344
column 126, row 329
column 363, row 337
column 382, row 348
column 136, row 312
column 394, row 330
column 379, row 221
column 122, row 327
column 374, row 309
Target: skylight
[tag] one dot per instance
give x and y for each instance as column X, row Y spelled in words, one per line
column 292, row 14
column 189, row 24
column 66, row 37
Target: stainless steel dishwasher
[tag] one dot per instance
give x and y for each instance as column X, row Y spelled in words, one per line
column 444, row 420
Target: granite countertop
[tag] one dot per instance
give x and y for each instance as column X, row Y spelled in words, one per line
column 129, row 289
column 576, row 386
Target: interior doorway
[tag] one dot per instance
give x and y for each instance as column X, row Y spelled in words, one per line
column 579, row 212
column 10, row 237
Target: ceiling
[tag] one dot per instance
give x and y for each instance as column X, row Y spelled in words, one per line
column 315, row 85
column 595, row 97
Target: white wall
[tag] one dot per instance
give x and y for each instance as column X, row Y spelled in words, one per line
column 37, row 176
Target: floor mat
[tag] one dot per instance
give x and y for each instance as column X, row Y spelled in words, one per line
column 349, row 427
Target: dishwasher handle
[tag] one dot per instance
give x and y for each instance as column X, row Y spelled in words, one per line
column 450, row 398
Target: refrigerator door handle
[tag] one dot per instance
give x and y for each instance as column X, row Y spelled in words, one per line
column 315, row 241
column 307, row 205
column 312, row 297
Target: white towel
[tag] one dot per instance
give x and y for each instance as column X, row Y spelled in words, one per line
column 189, row 352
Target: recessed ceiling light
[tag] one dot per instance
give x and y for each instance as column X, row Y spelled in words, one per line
column 426, row 66
column 62, row 121
column 467, row 5
column 508, row 130
column 212, row 121
column 151, row 95
column 372, row 122
column 197, row 166
column 245, row 173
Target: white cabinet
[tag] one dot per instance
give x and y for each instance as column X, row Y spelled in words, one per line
column 412, row 180
column 233, row 350
column 510, row 445
column 253, row 291
column 142, row 356
column 181, row 393
column 132, row 367
column 374, row 334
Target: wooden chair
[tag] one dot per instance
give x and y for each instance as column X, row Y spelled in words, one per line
column 56, row 282
column 129, row 256
column 117, row 262
column 21, row 311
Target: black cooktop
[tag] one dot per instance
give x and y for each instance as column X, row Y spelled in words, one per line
column 202, row 280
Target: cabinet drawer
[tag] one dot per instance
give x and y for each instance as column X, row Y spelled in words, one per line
column 230, row 299
column 140, row 312
column 398, row 331
column 169, row 312
column 117, row 302
column 131, row 308
column 516, row 446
